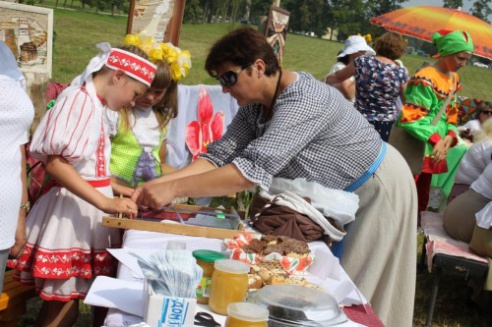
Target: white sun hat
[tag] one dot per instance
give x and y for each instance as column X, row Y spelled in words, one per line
column 354, row 44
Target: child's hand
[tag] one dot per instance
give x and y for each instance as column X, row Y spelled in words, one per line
column 121, row 205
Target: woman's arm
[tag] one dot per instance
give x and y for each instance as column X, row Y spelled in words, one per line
column 347, row 88
column 213, row 182
column 20, row 233
column 341, row 75
column 197, row 167
column 63, row 173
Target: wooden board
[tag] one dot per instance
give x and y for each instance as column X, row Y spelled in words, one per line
column 171, row 228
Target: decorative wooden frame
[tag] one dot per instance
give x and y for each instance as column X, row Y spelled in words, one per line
column 161, row 18
column 276, row 30
column 33, row 26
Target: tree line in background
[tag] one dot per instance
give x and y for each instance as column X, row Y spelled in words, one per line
column 311, row 17
column 314, row 17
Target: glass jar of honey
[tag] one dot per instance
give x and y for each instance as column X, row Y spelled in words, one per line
column 229, row 284
column 245, row 314
column 206, row 260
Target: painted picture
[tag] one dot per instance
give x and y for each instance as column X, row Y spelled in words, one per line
column 161, row 19
column 28, row 32
column 276, row 30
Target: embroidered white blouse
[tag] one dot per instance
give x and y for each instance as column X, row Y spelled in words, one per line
column 75, row 129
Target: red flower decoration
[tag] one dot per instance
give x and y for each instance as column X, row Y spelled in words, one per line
column 208, row 128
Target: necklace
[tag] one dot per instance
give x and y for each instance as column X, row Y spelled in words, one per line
column 270, row 110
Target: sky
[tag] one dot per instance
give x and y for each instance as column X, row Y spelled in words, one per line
column 467, row 4
column 438, row 3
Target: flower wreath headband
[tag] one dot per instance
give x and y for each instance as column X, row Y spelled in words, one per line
column 179, row 61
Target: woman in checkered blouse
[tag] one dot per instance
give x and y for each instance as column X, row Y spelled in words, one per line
column 290, row 125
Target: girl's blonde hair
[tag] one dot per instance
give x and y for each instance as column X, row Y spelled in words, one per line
column 167, row 108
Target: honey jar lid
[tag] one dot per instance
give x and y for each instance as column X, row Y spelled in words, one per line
column 247, row 311
column 208, row 255
column 232, row 266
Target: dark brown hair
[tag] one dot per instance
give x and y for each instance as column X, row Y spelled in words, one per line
column 390, row 45
column 241, row 47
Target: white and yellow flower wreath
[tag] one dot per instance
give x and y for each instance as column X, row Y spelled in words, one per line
column 179, row 61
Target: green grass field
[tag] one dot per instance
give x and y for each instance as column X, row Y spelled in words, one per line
column 77, row 33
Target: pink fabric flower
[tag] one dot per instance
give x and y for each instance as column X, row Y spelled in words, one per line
column 208, row 128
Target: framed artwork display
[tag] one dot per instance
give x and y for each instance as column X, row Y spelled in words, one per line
column 276, row 30
column 28, row 32
column 161, row 19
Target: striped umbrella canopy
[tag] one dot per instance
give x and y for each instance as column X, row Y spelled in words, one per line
column 422, row 21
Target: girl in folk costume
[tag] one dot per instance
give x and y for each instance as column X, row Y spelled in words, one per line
column 66, row 243
column 425, row 95
column 138, row 145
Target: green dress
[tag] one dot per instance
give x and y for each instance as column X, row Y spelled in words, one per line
column 425, row 95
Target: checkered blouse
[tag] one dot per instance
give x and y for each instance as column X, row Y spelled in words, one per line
column 314, row 133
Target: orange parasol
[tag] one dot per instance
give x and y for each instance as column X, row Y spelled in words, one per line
column 422, row 21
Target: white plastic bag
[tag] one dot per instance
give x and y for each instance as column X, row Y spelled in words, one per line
column 337, row 204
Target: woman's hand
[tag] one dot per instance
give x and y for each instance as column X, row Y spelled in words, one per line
column 155, row 195
column 448, row 142
column 441, row 149
column 120, row 205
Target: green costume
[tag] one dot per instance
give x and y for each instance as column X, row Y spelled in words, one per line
column 426, row 92
column 130, row 162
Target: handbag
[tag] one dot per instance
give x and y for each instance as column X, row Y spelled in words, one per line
column 412, row 149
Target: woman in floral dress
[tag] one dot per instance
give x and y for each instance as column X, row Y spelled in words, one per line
column 379, row 82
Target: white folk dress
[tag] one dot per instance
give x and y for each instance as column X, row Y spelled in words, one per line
column 66, row 246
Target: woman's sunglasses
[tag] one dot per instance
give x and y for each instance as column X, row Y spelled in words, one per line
column 486, row 112
column 229, row 78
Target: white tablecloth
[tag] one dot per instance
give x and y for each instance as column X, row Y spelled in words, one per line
column 325, row 270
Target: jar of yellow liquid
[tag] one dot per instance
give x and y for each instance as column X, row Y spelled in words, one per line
column 229, row 284
column 206, row 260
column 245, row 314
